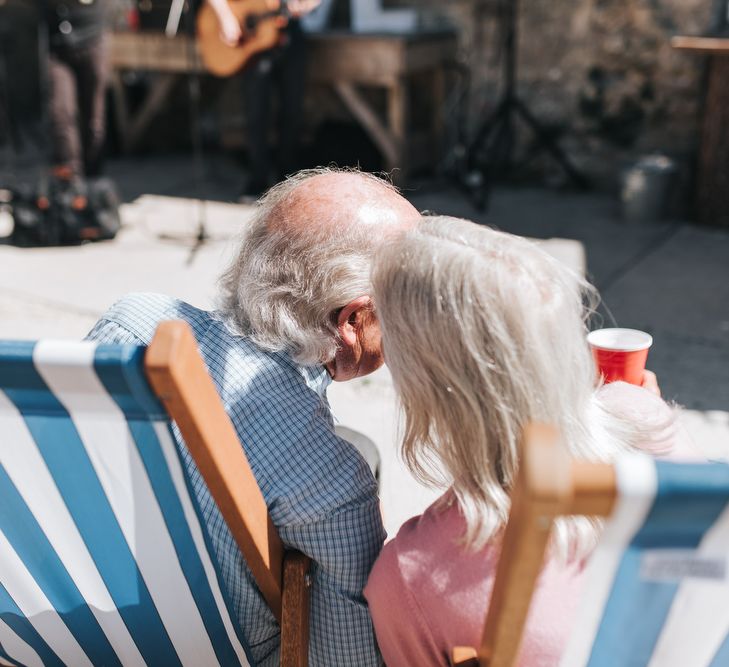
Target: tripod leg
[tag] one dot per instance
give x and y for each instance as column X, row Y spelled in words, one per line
column 488, row 127
column 488, row 152
column 550, row 145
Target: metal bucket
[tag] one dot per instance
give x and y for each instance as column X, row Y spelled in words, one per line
column 646, row 187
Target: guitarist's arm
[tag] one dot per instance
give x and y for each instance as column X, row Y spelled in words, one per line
column 230, row 28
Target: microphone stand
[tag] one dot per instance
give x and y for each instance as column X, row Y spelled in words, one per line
column 491, row 150
column 171, row 30
column 196, row 137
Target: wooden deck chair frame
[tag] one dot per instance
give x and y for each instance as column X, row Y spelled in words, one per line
column 179, row 378
column 549, row 484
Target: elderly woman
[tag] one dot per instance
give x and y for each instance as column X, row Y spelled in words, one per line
column 484, row 332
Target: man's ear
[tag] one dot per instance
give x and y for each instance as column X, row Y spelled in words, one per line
column 349, row 318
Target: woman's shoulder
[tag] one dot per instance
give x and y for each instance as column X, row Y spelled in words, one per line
column 426, row 538
column 409, row 589
column 428, row 593
column 418, row 542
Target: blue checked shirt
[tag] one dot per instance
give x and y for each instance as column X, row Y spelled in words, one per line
column 320, row 492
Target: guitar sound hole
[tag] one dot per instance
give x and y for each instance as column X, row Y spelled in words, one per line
column 251, row 23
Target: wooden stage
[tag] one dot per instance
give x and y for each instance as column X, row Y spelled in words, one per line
column 344, row 61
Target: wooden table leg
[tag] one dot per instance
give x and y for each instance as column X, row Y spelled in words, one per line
column 382, row 137
column 397, row 114
column 151, row 106
column 713, row 172
column 438, row 119
column 121, row 108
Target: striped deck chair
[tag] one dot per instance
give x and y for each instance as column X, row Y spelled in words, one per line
column 657, row 586
column 103, row 556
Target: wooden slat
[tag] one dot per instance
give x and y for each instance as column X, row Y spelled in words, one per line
column 121, row 108
column 376, row 60
column 425, row 54
column 712, row 187
column 541, row 489
column 370, row 61
column 716, row 45
column 151, row 106
column 295, row 620
column 178, row 376
column 383, row 138
column 594, row 489
column 712, row 193
column 437, row 124
column 465, row 656
column 155, row 52
column 549, row 484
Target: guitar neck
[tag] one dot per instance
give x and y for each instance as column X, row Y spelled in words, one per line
column 252, row 20
column 281, row 10
column 271, row 13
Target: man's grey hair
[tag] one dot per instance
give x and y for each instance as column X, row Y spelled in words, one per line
column 287, row 282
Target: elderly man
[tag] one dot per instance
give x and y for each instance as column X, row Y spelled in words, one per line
column 295, row 314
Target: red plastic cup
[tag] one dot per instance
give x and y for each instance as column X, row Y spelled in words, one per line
column 620, row 354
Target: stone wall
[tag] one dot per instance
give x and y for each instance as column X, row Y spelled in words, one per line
column 601, row 73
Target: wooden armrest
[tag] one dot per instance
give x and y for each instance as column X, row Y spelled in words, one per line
column 178, row 376
column 465, row 656
column 549, row 484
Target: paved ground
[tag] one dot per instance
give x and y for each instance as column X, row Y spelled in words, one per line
column 671, row 280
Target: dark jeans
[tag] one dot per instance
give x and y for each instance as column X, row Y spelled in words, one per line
column 280, row 71
column 77, row 77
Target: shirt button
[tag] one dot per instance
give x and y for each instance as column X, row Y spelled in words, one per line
column 65, row 27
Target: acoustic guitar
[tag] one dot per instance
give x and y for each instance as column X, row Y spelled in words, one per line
column 261, row 22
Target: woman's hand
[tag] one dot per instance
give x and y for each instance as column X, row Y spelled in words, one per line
column 650, row 382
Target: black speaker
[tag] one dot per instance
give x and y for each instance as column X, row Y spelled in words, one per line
column 55, row 212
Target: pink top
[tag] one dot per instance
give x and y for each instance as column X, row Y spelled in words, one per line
column 428, row 595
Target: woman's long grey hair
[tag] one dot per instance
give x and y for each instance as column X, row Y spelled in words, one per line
column 484, row 332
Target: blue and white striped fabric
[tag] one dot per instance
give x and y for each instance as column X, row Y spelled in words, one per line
column 320, row 492
column 657, row 587
column 103, row 559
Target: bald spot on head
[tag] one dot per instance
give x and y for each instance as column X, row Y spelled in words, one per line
column 326, row 202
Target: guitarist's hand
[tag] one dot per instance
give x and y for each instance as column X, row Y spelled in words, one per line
column 229, row 27
column 301, row 7
column 230, row 30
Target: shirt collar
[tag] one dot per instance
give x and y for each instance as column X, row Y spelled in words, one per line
column 317, row 378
